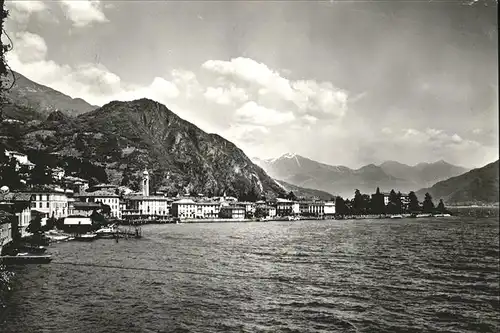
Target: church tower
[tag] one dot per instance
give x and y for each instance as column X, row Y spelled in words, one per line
column 145, row 183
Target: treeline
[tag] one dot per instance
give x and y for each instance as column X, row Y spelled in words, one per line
column 375, row 204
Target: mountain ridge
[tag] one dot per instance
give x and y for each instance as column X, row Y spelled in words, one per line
column 479, row 185
column 343, row 180
column 44, row 100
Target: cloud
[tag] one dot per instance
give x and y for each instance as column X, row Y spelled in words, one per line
column 254, row 114
column 268, row 87
column 83, row 12
column 21, row 11
column 226, row 96
column 92, row 82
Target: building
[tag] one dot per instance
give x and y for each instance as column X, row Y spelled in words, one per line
column 285, row 207
column 232, row 212
column 139, row 207
column 317, row 208
column 184, row 209
column 263, row 210
column 80, row 208
column 249, row 207
column 22, row 159
column 105, row 197
column 58, row 173
column 5, row 229
column 18, row 204
column 208, row 209
column 54, row 203
column 329, row 209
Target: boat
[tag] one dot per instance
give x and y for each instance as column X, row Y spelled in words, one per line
column 107, row 232
column 26, row 258
column 396, row 216
column 424, row 215
column 86, row 237
column 32, row 248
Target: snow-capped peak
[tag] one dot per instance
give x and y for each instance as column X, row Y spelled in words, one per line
column 289, row 155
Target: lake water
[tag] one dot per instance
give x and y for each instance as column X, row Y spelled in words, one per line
column 414, row 275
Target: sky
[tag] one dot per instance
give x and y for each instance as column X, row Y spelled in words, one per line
column 341, row 82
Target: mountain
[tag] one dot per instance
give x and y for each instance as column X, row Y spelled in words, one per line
column 338, row 180
column 423, row 174
column 43, row 100
column 473, row 187
column 126, row 137
column 306, row 193
column 341, row 180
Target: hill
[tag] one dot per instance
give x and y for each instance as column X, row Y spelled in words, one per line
column 478, row 186
column 42, row 100
column 306, row 193
column 126, row 137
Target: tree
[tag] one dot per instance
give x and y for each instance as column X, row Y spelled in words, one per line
column 377, row 203
column 291, row 196
column 3, row 49
column 40, row 175
column 394, row 205
column 340, row 207
column 414, row 205
column 428, row 205
column 260, row 212
column 358, row 202
column 441, row 208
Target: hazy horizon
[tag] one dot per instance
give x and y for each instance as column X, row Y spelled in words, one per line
column 339, row 82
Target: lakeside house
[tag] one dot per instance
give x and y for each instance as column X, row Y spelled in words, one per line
column 53, row 202
column 140, row 207
column 264, row 210
column 19, row 205
column 232, row 212
column 285, row 207
column 81, row 208
column 184, row 209
column 104, row 197
column 208, row 209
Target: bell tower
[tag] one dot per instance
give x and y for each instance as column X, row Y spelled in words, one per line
column 145, row 183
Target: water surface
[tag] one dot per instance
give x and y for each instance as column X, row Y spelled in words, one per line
column 415, row 275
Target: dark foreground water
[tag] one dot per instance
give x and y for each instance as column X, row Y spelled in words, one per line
column 436, row 275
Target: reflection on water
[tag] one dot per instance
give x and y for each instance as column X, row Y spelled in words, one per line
column 436, row 275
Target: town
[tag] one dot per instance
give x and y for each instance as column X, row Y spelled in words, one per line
column 72, row 205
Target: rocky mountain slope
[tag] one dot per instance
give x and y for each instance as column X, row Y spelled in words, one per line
column 478, row 186
column 341, row 180
column 126, row 137
column 43, row 100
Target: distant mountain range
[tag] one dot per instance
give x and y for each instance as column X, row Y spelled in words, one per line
column 478, row 186
column 34, row 100
column 301, row 192
column 341, row 180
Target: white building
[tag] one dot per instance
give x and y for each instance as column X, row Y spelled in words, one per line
column 208, row 209
column 146, row 207
column 184, row 208
column 18, row 204
column 329, row 209
column 22, row 159
column 263, row 210
column 54, row 203
column 107, row 198
column 285, row 207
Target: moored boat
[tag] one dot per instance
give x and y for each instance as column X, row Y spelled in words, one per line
column 396, row 216
column 86, row 237
column 32, row 248
column 107, row 232
column 26, row 258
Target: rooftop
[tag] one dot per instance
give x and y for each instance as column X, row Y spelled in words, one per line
column 99, row 193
